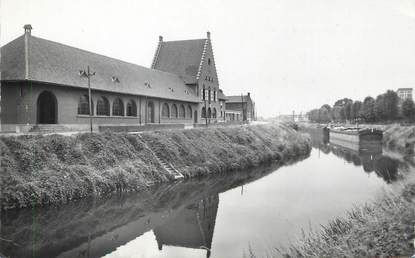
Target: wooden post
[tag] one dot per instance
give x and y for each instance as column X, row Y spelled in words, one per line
column 89, row 98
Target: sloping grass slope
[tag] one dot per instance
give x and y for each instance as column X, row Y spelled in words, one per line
column 38, row 170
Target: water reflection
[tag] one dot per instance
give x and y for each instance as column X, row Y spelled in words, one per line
column 181, row 214
column 369, row 155
column 192, row 227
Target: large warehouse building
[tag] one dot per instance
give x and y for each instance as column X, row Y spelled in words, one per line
column 45, row 82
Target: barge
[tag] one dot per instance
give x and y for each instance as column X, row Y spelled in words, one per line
column 356, row 138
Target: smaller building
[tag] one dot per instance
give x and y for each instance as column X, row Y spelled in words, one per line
column 404, row 93
column 244, row 104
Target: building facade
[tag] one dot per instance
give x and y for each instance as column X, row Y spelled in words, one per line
column 242, row 104
column 404, row 93
column 43, row 82
column 194, row 62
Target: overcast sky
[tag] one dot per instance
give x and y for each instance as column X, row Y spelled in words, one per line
column 290, row 54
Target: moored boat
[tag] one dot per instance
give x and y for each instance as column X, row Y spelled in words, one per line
column 355, row 138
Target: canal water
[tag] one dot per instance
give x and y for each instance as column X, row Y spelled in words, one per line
column 220, row 216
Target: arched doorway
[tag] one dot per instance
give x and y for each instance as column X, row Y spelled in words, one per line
column 47, row 108
column 150, row 112
column 195, row 116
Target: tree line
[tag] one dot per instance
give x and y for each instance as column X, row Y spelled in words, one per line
column 387, row 107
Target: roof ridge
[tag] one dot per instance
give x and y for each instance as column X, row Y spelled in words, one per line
column 104, row 56
column 182, row 40
column 202, row 59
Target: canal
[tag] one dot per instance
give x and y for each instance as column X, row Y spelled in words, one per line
column 220, row 216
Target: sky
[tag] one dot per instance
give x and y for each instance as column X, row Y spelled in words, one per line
column 291, row 55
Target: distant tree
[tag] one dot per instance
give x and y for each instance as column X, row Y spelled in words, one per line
column 313, row 115
column 337, row 113
column 380, row 108
column 326, row 106
column 368, row 109
column 386, row 107
column 324, row 114
column 391, row 100
column 342, row 102
column 408, row 109
column 348, row 110
column 356, row 110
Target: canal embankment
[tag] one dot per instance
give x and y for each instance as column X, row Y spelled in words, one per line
column 384, row 228
column 39, row 170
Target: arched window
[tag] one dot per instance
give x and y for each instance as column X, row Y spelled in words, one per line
column 131, row 108
column 165, row 111
column 117, row 107
column 209, row 113
column 214, row 112
column 103, row 107
column 83, row 105
column 174, row 111
column 189, row 111
column 203, row 112
column 182, row 111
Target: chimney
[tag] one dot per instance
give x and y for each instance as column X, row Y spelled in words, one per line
column 160, row 38
column 208, row 34
column 27, row 29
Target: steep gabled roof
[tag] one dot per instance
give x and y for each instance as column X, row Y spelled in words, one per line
column 180, row 57
column 12, row 63
column 52, row 62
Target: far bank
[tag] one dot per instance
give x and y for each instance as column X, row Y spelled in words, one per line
column 53, row 169
column 396, row 137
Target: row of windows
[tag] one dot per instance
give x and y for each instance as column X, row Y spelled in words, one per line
column 209, row 95
column 210, row 113
column 176, row 112
column 103, row 107
column 208, row 78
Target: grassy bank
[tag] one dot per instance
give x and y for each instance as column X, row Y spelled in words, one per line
column 39, row 170
column 384, row 228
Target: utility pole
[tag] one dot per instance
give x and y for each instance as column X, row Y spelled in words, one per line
column 206, row 119
column 243, row 110
column 88, row 75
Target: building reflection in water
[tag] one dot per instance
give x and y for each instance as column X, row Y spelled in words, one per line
column 192, row 227
column 181, row 214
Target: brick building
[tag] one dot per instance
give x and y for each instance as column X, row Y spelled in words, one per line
column 43, row 83
column 243, row 105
